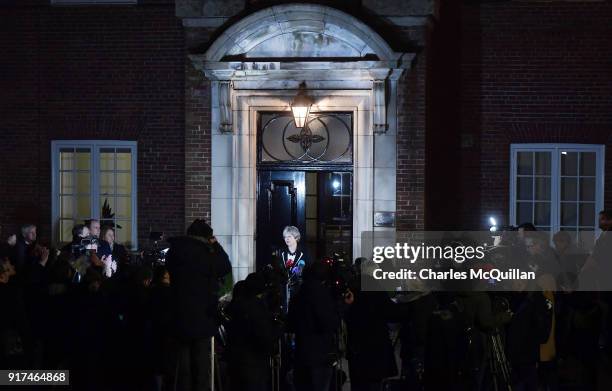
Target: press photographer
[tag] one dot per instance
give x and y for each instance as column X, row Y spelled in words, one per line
column 197, row 264
column 81, row 252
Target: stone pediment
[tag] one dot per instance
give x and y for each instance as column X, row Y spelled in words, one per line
column 300, row 30
column 281, row 46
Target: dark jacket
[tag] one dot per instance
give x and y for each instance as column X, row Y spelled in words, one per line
column 14, row 329
column 195, row 268
column 530, row 327
column 119, row 252
column 252, row 333
column 370, row 351
column 314, row 318
column 23, row 254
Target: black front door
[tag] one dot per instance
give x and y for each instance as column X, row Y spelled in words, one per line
column 280, row 202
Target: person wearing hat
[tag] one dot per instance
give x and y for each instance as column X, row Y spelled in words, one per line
column 196, row 263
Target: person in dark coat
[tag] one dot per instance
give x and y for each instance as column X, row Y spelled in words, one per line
column 161, row 322
column 370, row 351
column 413, row 335
column 530, row 327
column 108, row 246
column 314, row 318
column 196, row 264
column 253, row 335
column 95, row 333
column 13, row 322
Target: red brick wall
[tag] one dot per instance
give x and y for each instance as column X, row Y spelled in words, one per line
column 411, row 118
column 197, row 146
column 530, row 72
column 92, row 73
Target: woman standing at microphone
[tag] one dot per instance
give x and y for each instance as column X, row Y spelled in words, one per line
column 294, row 259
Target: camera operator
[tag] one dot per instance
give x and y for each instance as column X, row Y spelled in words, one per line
column 81, row 252
column 79, row 232
column 94, row 228
column 314, row 319
column 196, row 263
column 253, row 333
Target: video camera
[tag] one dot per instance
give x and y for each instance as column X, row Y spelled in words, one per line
column 155, row 256
column 86, row 246
column 341, row 272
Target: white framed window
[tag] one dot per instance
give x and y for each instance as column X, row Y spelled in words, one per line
column 94, row 179
column 557, row 186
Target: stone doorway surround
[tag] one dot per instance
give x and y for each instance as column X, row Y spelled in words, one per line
column 256, row 65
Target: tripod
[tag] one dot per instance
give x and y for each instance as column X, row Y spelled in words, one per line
column 498, row 363
column 275, row 367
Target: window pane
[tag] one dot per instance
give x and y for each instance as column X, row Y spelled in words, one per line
column 67, row 206
column 83, row 183
column 66, row 159
column 325, row 137
column 587, row 189
column 542, row 213
column 568, row 214
column 542, row 190
column 569, row 189
column 124, row 207
column 587, row 163
column 569, row 163
column 542, row 160
column 66, row 230
column 107, row 183
column 83, row 207
column 524, row 163
column 524, row 212
column 587, row 214
column 83, row 159
column 525, row 188
column 123, row 235
column 124, row 183
column 124, row 159
column 107, row 159
column 66, row 182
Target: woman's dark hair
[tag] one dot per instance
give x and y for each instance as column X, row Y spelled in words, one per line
column 255, row 284
column 606, row 213
column 200, row 228
column 240, row 291
column 104, row 230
